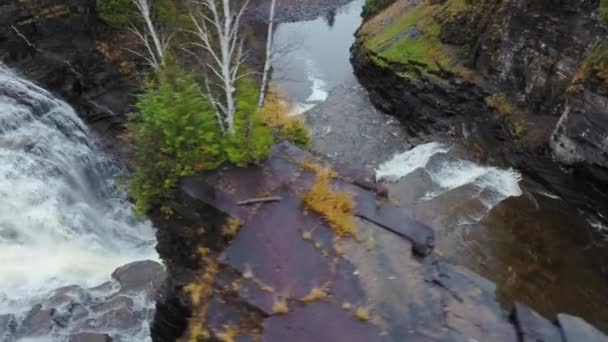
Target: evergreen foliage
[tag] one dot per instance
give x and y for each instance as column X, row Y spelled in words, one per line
column 122, row 13
column 372, row 7
column 175, row 133
column 252, row 140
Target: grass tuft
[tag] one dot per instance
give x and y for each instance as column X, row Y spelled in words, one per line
column 335, row 206
column 315, row 294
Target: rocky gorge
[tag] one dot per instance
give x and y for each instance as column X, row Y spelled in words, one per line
column 524, row 82
column 275, row 271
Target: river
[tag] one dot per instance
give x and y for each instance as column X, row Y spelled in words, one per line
column 538, row 248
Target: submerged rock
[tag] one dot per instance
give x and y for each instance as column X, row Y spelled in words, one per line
column 120, row 309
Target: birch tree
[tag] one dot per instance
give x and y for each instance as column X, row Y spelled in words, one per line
column 152, row 37
column 268, row 63
column 217, row 29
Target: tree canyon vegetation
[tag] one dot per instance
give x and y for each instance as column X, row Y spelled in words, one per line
column 194, row 116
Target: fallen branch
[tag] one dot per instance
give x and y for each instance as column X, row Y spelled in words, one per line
column 259, row 200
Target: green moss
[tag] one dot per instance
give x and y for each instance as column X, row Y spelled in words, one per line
column 425, row 48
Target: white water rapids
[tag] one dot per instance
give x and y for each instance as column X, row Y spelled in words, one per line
column 491, row 185
column 63, row 220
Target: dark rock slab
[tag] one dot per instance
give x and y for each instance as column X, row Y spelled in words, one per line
column 90, row 337
column 471, row 307
column 575, row 329
column 319, row 322
column 66, row 295
column 534, row 328
column 395, row 220
column 140, row 276
column 37, row 322
column 8, row 326
column 270, row 248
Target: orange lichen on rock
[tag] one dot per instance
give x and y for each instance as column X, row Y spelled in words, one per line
column 199, row 291
column 336, row 207
column 363, row 314
column 315, row 294
column 231, row 227
column 280, row 307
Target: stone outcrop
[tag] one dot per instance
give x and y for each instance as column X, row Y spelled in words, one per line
column 523, row 86
column 284, row 275
column 531, row 53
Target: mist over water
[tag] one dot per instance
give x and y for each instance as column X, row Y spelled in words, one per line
column 63, row 219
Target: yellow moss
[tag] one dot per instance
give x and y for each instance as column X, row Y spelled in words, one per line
column 276, row 115
column 500, row 103
column 228, row 335
column 316, row 168
column 339, row 249
column 198, row 332
column 336, row 207
column 370, row 243
column 199, row 291
column 363, row 314
column 315, row 294
column 280, row 307
column 263, row 286
column 231, row 227
column 307, row 235
column 347, row 306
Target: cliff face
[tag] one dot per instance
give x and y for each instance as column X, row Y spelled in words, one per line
column 519, row 63
column 64, row 47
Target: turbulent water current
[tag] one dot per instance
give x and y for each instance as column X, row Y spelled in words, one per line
column 63, row 219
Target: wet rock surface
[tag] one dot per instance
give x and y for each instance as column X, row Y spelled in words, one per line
column 286, row 276
column 105, row 313
column 347, row 127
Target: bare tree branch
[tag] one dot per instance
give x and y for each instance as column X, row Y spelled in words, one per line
column 155, row 43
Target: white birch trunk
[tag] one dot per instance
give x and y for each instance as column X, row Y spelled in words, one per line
column 158, row 47
column 268, row 63
column 227, row 57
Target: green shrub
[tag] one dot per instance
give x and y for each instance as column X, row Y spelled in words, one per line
column 122, row 13
column 372, row 7
column 277, row 117
column 174, row 132
column 253, row 140
column 117, row 13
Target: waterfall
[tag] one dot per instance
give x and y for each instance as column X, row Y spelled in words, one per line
column 64, row 219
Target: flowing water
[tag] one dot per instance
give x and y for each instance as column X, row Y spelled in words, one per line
column 63, row 219
column 494, row 220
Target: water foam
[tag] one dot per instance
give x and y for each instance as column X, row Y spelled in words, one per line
column 493, row 184
column 63, row 220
